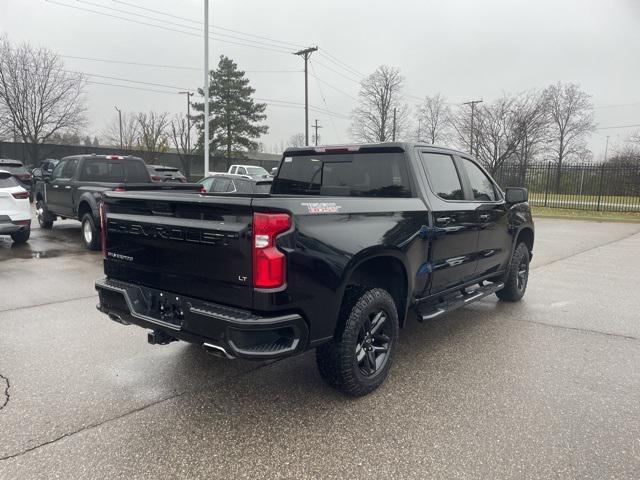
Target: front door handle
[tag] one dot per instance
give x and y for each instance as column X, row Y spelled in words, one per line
column 444, row 220
column 68, row 187
column 484, row 217
column 55, row 186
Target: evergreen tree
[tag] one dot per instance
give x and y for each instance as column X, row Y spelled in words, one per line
column 234, row 124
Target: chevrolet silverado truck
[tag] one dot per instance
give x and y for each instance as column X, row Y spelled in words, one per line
column 75, row 187
column 350, row 243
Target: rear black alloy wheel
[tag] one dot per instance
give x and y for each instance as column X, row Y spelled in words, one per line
column 372, row 349
column 358, row 359
column 516, row 278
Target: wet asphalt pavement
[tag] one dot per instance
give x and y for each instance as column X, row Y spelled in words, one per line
column 547, row 388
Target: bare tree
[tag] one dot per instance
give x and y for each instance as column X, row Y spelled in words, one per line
column 179, row 135
column 296, row 140
column 38, row 98
column 153, row 133
column 571, row 120
column 380, row 93
column 130, row 131
column 433, row 118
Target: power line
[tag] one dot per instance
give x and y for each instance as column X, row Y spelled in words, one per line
column 618, row 126
column 336, row 71
column 619, row 105
column 213, row 36
column 325, row 104
column 197, row 29
column 157, row 65
column 330, row 85
column 198, row 22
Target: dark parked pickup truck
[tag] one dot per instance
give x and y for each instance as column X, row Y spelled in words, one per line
column 350, row 243
column 75, row 187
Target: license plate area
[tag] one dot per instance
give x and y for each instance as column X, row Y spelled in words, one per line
column 165, row 307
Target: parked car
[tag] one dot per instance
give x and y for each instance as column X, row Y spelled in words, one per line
column 19, row 172
column 76, row 186
column 249, row 170
column 350, row 243
column 161, row 173
column 229, row 183
column 15, row 211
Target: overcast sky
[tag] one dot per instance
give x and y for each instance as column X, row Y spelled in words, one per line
column 465, row 49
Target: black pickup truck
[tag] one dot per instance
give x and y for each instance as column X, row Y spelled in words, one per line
column 75, row 187
column 349, row 244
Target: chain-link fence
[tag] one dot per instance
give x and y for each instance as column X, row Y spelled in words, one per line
column 599, row 187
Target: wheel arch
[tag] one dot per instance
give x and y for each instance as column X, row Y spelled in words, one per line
column 381, row 269
column 525, row 235
column 87, row 204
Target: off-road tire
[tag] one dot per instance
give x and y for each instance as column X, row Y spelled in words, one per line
column 517, row 276
column 21, row 236
column 45, row 219
column 338, row 361
column 90, row 233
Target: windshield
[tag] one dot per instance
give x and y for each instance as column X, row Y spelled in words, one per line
column 347, row 174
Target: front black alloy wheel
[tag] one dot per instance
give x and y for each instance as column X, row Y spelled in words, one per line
column 358, row 359
column 516, row 278
column 45, row 219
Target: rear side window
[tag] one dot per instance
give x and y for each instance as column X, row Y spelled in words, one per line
column 483, row 189
column 7, row 181
column 362, row 174
column 442, row 175
column 220, row 185
column 114, row 171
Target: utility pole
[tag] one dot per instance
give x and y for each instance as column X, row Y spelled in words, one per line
column 306, row 53
column 316, row 127
column 120, row 120
column 188, row 94
column 606, row 149
column 473, row 111
column 394, row 124
column 206, row 87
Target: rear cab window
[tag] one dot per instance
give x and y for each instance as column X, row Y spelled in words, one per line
column 349, row 174
column 107, row 170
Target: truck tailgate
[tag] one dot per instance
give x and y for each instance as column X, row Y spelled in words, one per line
column 181, row 243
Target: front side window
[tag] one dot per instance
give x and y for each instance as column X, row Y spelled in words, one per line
column 481, row 185
column 358, row 174
column 57, row 172
column 69, row 168
column 442, row 175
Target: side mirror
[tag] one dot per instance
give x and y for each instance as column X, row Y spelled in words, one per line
column 515, row 195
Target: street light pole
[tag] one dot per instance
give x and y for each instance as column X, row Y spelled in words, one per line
column 188, row 94
column 120, row 121
column 206, row 87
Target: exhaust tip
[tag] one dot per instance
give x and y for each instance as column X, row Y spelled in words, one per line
column 118, row 318
column 217, row 351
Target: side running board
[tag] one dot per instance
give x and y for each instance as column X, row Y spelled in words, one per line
column 432, row 311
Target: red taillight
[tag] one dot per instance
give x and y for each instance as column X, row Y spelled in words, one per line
column 21, row 195
column 103, row 229
column 268, row 262
column 155, row 178
column 114, row 157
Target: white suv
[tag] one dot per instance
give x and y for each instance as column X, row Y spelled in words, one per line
column 15, row 210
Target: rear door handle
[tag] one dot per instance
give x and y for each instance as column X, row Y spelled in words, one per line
column 444, row 220
column 68, row 187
